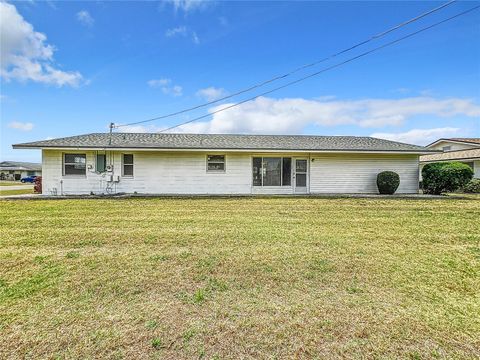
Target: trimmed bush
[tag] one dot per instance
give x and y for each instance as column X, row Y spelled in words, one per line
column 388, row 182
column 473, row 186
column 445, row 177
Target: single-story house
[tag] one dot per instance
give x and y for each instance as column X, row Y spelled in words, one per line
column 15, row 170
column 465, row 150
column 164, row 163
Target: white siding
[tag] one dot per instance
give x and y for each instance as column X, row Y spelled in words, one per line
column 454, row 146
column 185, row 173
column 154, row 172
column 357, row 173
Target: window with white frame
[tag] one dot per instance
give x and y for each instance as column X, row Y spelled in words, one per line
column 215, row 163
column 127, row 165
column 74, row 164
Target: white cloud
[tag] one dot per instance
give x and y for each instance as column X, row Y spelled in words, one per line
column 22, row 126
column 182, row 31
column 195, row 38
column 25, row 55
column 85, row 18
column 175, row 90
column 178, row 31
column 158, row 82
column 190, row 5
column 166, row 86
column 292, row 115
column 212, row 93
column 419, row 136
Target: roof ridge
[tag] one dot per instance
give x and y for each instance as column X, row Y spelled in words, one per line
column 222, row 134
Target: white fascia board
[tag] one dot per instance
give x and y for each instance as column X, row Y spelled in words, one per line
column 449, row 141
column 234, row 150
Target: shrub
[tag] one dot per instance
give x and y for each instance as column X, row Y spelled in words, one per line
column 37, row 188
column 388, row 182
column 445, row 177
column 473, row 186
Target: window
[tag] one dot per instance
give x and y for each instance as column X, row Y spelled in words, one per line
column 101, row 163
column 30, row 173
column 215, row 163
column 257, row 171
column 127, row 165
column 287, row 171
column 74, row 164
column 272, row 171
column 447, row 148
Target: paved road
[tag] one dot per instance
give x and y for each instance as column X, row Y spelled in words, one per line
column 16, row 187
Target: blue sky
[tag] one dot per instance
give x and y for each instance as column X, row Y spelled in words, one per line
column 70, row 68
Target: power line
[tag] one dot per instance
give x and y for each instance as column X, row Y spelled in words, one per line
column 323, row 70
column 303, row 67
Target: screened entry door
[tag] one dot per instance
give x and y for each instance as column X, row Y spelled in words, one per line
column 300, row 176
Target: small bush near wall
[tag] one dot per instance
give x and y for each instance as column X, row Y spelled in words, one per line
column 473, row 186
column 388, row 182
column 445, row 177
column 37, row 188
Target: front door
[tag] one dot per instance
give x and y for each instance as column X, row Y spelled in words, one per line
column 300, row 176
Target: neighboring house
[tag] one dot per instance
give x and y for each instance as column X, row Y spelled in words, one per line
column 222, row 164
column 15, row 170
column 465, row 150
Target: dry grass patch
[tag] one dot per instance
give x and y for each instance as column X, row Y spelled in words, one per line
column 240, row 278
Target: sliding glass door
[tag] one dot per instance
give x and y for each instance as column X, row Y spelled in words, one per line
column 272, row 171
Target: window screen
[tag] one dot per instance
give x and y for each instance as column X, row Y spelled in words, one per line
column 101, row 162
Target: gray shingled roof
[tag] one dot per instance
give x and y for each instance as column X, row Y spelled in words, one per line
column 20, row 165
column 224, row 142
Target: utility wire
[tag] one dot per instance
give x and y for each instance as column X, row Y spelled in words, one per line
column 323, row 70
column 303, row 67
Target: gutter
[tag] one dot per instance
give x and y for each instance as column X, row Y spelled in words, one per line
column 250, row 150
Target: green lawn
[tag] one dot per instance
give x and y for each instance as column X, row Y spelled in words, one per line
column 240, row 278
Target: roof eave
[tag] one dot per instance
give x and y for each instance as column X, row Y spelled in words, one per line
column 447, row 160
column 193, row 149
column 452, row 141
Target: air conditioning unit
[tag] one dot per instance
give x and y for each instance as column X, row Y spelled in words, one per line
column 116, row 178
column 109, row 168
column 109, row 178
